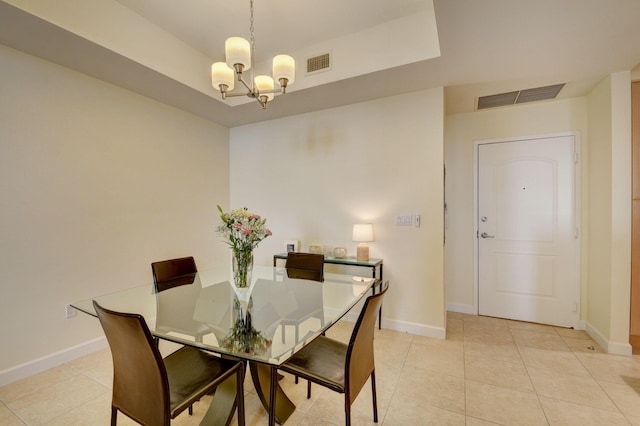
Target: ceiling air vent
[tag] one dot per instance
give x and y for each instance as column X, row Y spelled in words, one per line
column 319, row 63
column 520, row 96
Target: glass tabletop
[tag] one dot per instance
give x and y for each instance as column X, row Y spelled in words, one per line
column 268, row 322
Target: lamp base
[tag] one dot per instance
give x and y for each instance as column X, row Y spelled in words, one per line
column 362, row 253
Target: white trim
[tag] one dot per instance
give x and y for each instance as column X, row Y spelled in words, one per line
column 614, row 348
column 403, row 326
column 414, row 328
column 577, row 210
column 39, row 365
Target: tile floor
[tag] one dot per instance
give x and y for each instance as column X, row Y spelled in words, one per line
column 488, row 371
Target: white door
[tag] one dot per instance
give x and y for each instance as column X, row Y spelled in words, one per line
column 527, row 230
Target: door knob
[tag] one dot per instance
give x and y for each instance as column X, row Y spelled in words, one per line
column 485, row 235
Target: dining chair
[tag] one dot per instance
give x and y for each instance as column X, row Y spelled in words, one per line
column 152, row 390
column 169, row 273
column 176, row 314
column 343, row 368
column 307, row 266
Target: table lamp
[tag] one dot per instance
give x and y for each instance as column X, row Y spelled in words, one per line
column 363, row 233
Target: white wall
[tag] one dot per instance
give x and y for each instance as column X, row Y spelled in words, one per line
column 314, row 175
column 95, row 183
column 461, row 130
column 610, row 207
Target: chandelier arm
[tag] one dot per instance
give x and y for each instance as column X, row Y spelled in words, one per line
column 244, row 83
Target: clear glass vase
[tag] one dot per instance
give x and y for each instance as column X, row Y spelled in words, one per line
column 242, row 268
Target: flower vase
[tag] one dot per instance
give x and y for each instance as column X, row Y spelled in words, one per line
column 242, row 269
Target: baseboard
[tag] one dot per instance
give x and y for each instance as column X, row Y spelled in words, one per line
column 614, row 348
column 39, row 365
column 404, row 326
column 413, row 328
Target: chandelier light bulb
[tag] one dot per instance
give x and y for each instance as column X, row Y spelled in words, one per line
column 264, row 83
column 238, row 51
column 284, row 67
column 221, row 75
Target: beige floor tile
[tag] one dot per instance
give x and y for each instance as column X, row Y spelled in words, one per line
column 499, row 373
column 570, row 332
column 7, row 418
column 432, row 388
column 472, row 421
column 560, row 361
column 582, row 390
column 96, row 359
column 539, row 328
column 486, row 333
column 487, row 321
column 48, row 403
column 534, row 339
column 94, row 412
column 582, row 345
column 443, row 356
column 415, row 411
column 501, row 351
column 503, row 406
column 563, row 413
column 19, row 389
column 612, row 368
column 626, row 398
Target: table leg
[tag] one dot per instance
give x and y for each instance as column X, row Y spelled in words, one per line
column 223, row 405
column 273, row 398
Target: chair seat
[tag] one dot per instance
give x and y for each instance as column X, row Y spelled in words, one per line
column 322, row 361
column 190, row 373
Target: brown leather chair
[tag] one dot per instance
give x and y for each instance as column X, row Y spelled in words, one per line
column 152, row 390
column 306, row 266
column 343, row 368
column 173, row 272
column 168, row 274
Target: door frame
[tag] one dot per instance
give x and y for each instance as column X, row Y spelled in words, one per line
column 577, row 212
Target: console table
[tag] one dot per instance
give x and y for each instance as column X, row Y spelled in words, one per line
column 374, row 264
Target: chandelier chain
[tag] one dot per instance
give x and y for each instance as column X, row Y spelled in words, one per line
column 252, row 42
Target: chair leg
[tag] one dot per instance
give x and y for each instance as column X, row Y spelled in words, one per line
column 191, row 410
column 347, row 410
column 114, row 416
column 308, row 389
column 375, row 398
column 240, row 394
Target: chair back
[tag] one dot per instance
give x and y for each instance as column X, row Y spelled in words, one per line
column 173, row 272
column 306, row 266
column 360, row 362
column 140, row 384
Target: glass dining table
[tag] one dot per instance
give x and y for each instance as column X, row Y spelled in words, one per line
column 265, row 324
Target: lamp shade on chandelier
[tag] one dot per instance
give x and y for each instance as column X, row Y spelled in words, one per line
column 239, row 59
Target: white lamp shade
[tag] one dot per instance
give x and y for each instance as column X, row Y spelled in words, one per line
column 264, row 83
column 221, row 74
column 284, row 66
column 237, row 51
column 363, row 232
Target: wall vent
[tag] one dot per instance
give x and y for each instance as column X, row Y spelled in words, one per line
column 520, row 96
column 319, row 63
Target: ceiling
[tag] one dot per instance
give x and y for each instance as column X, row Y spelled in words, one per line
column 163, row 48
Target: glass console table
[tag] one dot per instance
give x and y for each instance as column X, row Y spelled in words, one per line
column 375, row 265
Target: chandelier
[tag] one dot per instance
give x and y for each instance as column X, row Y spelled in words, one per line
column 239, row 58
